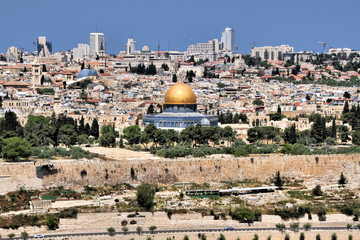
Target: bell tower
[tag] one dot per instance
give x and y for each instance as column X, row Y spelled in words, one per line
column 36, row 73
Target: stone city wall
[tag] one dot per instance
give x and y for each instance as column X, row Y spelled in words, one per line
column 215, row 168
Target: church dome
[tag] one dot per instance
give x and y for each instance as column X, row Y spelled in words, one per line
column 86, row 72
column 145, row 49
column 180, row 93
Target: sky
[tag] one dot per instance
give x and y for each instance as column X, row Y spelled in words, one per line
column 176, row 24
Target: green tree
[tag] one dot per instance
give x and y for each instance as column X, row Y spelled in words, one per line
column 150, row 109
column 318, row 237
column 186, row 237
column 317, row 191
column 294, row 226
column 174, row 78
column 108, row 136
column 258, row 102
column 222, row 237
column 121, row 142
column 342, row 181
column 350, row 237
column 94, row 130
column 9, row 125
column 347, row 95
column 346, row 107
column 280, row 226
column 52, row 222
column 348, row 226
column 111, row 231
column 307, row 226
column 11, row 235
column 287, row 237
column 14, row 148
column 334, row 236
column 152, row 229
column 132, row 134
column 67, row 135
column 125, row 230
column 145, row 195
column 290, row 135
column 318, row 130
column 302, row 236
column 278, row 180
column 356, row 137
column 24, row 235
column 81, row 128
column 138, row 230
column 256, row 237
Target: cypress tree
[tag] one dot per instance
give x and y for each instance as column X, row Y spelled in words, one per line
column 293, row 136
column 81, row 125
column 278, row 180
column 346, row 107
column 94, row 130
column 87, row 129
column 333, row 129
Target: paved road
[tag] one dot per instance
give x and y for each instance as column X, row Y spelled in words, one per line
column 47, row 236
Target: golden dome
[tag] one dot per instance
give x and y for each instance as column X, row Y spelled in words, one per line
column 180, row 93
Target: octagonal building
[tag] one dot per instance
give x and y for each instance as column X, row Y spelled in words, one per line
column 180, row 111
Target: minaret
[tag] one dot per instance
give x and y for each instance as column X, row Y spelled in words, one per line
column 36, row 72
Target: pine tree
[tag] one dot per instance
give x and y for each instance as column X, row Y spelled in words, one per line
column 82, row 65
column 94, row 130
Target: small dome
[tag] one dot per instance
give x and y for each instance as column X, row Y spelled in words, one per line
column 145, row 49
column 180, row 93
column 86, row 72
column 205, row 123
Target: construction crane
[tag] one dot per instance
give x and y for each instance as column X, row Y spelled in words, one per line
column 323, row 43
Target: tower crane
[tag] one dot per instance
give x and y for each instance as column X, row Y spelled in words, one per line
column 323, row 43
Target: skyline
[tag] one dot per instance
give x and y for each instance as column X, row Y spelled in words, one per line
column 177, row 25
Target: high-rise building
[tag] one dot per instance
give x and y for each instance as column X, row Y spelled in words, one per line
column 95, row 42
column 44, row 48
column 271, row 53
column 13, row 54
column 130, row 46
column 228, row 39
column 81, row 51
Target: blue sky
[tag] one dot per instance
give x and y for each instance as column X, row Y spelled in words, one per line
column 176, row 24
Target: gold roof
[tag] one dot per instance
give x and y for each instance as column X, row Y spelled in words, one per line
column 180, row 93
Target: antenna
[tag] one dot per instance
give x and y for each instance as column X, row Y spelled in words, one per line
column 158, row 45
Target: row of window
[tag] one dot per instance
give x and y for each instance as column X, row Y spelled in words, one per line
column 174, row 124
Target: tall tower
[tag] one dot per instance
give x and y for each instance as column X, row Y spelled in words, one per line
column 130, row 46
column 95, row 42
column 228, row 39
column 36, row 72
column 102, row 56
